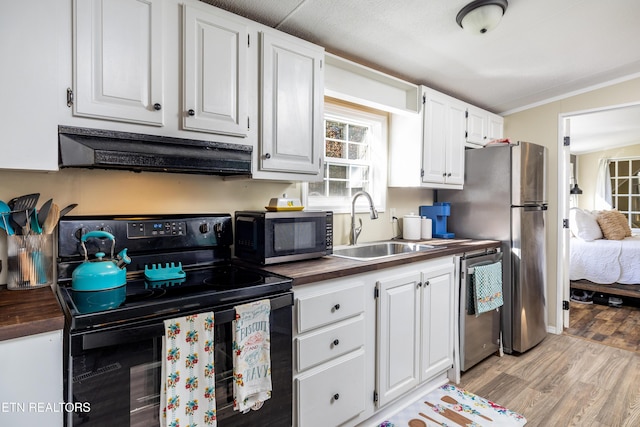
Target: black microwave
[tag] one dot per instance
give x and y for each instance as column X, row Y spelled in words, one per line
column 274, row 237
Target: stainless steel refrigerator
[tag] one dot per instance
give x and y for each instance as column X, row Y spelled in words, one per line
column 505, row 198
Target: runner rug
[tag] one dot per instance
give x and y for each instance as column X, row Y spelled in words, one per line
column 450, row 406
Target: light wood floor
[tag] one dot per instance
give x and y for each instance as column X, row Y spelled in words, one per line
column 564, row 381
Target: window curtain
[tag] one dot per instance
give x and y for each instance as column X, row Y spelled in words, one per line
column 603, row 187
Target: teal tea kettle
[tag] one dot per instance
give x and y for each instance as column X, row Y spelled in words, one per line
column 100, row 274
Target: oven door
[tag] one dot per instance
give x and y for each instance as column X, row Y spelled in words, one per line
column 113, row 376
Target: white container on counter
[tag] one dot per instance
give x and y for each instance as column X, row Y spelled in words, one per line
column 425, row 228
column 411, row 227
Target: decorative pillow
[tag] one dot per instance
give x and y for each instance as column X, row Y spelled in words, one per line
column 623, row 222
column 611, row 225
column 583, row 225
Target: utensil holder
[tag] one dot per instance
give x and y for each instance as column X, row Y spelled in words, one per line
column 29, row 261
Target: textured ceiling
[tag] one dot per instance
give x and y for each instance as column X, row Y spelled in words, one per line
column 541, row 50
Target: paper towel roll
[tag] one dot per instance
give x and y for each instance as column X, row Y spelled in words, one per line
column 425, row 224
column 411, row 227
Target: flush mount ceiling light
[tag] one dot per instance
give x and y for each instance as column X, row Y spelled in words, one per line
column 481, row 16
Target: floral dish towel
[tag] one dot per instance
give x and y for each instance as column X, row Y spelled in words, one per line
column 187, row 397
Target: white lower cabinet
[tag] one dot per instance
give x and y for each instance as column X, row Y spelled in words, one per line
column 367, row 340
column 414, row 327
column 32, row 380
column 333, row 366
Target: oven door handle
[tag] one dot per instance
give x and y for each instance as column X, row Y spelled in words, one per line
column 136, row 333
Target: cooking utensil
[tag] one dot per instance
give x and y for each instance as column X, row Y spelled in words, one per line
column 431, row 419
column 21, row 208
column 451, row 400
column 99, row 274
column 417, row 423
column 44, row 212
column 5, row 222
column 33, row 222
column 67, row 209
column 451, row 415
column 52, row 219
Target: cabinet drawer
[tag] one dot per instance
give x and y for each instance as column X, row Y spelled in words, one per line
column 331, row 396
column 318, row 310
column 327, row 343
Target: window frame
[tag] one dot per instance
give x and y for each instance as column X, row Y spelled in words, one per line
column 378, row 122
column 616, row 196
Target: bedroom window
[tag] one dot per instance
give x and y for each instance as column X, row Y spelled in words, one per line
column 625, row 188
column 355, row 159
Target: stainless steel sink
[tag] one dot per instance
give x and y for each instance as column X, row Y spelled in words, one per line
column 371, row 251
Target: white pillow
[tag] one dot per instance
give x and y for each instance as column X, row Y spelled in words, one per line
column 584, row 225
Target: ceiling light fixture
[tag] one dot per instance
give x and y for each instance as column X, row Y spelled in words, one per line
column 481, row 16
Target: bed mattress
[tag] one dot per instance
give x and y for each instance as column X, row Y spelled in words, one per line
column 605, row 261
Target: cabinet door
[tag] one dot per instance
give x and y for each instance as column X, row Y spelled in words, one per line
column 437, row 321
column 435, row 136
column 476, row 125
column 496, row 127
column 215, row 49
column 292, row 105
column 118, row 60
column 456, row 120
column 398, row 336
column 31, row 33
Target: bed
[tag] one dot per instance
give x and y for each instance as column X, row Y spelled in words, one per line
column 604, row 255
column 605, row 261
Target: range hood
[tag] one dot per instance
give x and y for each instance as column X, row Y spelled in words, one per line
column 104, row 149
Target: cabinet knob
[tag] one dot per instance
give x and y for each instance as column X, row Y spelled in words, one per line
column 157, row 107
column 444, row 174
column 267, row 156
column 426, row 283
column 336, row 396
column 449, row 174
column 419, row 285
column 336, row 342
column 336, row 307
column 191, row 112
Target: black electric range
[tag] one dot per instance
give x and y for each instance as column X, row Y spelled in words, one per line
column 115, row 335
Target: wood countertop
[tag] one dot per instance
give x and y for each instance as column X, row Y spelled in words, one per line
column 331, row 267
column 29, row 312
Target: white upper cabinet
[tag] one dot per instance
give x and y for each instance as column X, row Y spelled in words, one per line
column 444, row 138
column 483, row 126
column 31, row 33
column 291, row 110
column 118, row 66
column 215, row 78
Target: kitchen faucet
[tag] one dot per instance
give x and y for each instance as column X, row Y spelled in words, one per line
column 355, row 231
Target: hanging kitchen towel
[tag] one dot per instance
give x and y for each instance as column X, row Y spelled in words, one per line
column 187, row 395
column 251, row 356
column 487, row 282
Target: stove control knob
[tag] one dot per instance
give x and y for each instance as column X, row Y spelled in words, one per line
column 204, row 228
column 80, row 232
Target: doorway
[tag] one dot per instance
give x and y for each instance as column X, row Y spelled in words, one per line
column 587, row 131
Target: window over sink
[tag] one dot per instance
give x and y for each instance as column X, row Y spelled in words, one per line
column 355, row 159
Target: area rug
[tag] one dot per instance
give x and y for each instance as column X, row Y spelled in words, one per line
column 450, row 406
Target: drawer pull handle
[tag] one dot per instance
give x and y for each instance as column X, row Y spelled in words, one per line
column 336, row 396
column 336, row 307
column 336, row 342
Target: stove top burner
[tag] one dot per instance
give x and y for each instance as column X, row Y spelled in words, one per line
column 203, row 287
column 231, row 276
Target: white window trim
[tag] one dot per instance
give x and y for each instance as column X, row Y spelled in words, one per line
column 378, row 178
